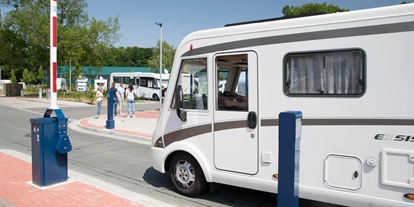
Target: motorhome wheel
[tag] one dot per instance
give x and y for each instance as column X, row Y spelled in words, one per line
column 186, row 175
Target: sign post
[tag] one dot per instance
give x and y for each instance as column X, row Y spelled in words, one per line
column 110, row 123
column 290, row 130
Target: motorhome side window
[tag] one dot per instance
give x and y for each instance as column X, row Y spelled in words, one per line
column 192, row 84
column 330, row 73
column 232, row 86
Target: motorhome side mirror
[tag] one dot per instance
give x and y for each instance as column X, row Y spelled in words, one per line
column 180, row 113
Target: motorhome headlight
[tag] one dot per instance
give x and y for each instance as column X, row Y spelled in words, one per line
column 409, row 196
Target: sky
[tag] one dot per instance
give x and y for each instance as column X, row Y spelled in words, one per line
column 180, row 17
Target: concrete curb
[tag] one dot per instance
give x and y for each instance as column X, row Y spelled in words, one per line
column 109, row 132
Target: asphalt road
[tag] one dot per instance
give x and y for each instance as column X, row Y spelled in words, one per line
column 122, row 163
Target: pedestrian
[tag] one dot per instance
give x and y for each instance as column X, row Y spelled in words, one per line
column 115, row 98
column 121, row 92
column 131, row 100
column 99, row 98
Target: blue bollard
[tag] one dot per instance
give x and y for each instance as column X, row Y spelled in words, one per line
column 110, row 123
column 50, row 145
column 290, row 129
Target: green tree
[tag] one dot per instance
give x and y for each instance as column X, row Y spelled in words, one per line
column 311, row 8
column 27, row 76
column 24, row 34
column 77, row 71
column 13, row 78
column 127, row 56
column 40, row 75
column 168, row 53
column 101, row 37
column 406, row 2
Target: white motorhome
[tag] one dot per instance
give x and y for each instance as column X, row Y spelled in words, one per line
column 82, row 84
column 100, row 82
column 350, row 75
column 61, row 84
column 189, row 83
column 146, row 84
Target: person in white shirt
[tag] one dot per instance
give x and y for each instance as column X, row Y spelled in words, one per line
column 130, row 100
column 99, row 98
column 121, row 92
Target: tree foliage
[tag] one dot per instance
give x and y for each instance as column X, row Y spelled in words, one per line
column 27, row 77
column 40, row 75
column 25, row 35
column 168, row 53
column 311, row 8
column 13, row 78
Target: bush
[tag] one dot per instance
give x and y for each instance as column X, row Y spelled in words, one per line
column 90, row 95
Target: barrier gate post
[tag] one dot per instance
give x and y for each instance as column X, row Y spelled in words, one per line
column 110, row 123
column 50, row 145
column 49, row 140
column 290, row 129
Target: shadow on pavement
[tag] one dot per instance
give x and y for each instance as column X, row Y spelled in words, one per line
column 227, row 195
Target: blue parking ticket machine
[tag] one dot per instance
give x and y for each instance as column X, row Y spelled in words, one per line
column 290, row 130
column 50, row 145
column 110, row 123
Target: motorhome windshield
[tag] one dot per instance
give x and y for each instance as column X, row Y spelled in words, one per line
column 192, row 82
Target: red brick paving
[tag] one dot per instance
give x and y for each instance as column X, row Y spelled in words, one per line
column 15, row 173
column 154, row 114
column 85, row 122
column 146, row 114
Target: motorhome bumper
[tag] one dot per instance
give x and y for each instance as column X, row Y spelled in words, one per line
column 157, row 158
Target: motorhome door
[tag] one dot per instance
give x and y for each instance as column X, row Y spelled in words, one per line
column 235, row 115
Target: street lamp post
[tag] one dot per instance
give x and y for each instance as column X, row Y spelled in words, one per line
column 70, row 74
column 160, row 97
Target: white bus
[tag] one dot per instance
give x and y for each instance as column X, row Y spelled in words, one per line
column 349, row 73
column 145, row 84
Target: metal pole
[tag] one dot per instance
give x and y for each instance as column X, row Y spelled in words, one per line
column 53, row 55
column 160, row 68
column 160, row 97
column 70, row 74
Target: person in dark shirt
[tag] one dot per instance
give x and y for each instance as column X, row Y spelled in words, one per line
column 116, row 97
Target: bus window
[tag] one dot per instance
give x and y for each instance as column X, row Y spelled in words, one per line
column 117, row 80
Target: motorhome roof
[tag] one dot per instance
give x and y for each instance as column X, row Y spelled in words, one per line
column 289, row 25
column 273, row 19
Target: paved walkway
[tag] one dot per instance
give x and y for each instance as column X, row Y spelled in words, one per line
column 142, row 125
column 17, row 189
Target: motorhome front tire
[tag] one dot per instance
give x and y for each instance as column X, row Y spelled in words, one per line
column 186, row 175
